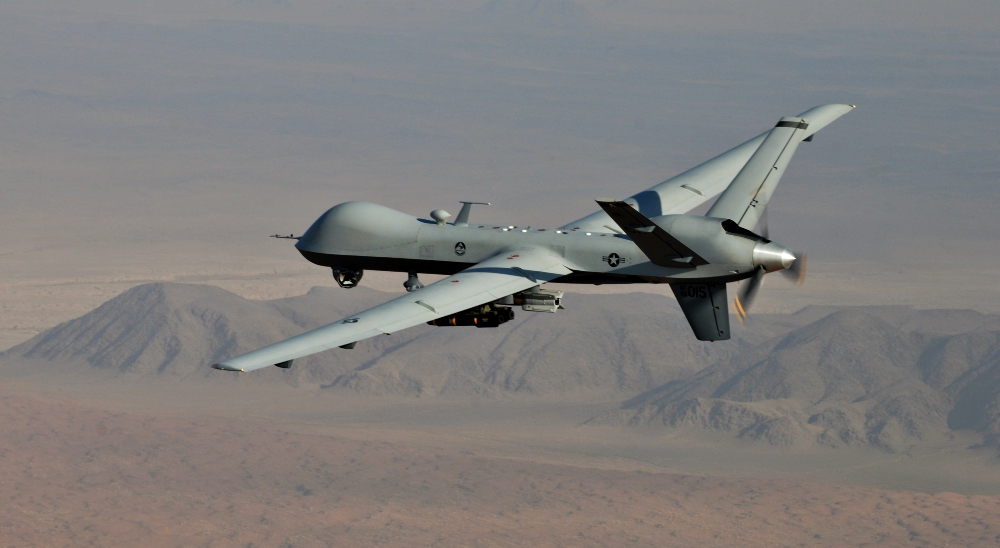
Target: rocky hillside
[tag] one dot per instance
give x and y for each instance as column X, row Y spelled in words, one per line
column 886, row 377
column 601, row 344
column 174, row 331
column 966, row 367
column 883, row 377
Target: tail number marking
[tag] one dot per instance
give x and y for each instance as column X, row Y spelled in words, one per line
column 694, row 291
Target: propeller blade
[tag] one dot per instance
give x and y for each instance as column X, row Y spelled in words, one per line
column 747, row 293
column 762, row 228
column 797, row 272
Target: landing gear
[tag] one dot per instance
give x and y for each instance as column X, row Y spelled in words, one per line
column 347, row 277
column 412, row 283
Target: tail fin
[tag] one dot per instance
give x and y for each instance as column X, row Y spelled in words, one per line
column 745, row 199
column 705, row 308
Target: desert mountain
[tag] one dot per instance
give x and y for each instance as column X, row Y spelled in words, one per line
column 601, row 344
column 868, row 376
column 885, row 377
column 162, row 329
column 966, row 367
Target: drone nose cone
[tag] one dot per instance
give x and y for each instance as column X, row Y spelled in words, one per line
column 772, row 256
column 359, row 226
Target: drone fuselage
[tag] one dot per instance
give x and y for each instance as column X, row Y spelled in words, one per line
column 489, row 269
column 367, row 236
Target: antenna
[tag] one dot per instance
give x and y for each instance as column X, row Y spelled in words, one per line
column 463, row 216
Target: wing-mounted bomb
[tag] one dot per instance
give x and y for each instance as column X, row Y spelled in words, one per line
column 535, row 299
column 539, row 300
column 487, row 315
column 499, row 312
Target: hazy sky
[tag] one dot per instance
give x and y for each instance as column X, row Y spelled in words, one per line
column 194, row 129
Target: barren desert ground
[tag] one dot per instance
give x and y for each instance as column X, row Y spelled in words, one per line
column 77, row 473
column 148, row 150
column 95, row 458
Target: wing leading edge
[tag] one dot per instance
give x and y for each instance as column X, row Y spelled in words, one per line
column 745, row 199
column 696, row 186
column 492, row 279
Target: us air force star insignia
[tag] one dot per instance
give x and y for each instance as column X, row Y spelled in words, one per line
column 460, row 248
column 613, row 259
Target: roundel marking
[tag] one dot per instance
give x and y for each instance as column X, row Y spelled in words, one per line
column 460, row 248
column 614, row 260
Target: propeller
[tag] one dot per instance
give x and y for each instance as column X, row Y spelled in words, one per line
column 797, row 272
column 751, row 286
column 748, row 292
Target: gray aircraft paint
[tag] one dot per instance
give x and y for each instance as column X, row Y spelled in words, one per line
column 490, row 263
column 363, row 229
column 696, row 186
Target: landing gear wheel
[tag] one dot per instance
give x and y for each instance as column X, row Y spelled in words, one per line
column 412, row 283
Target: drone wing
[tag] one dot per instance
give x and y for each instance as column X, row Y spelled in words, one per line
column 696, row 186
column 745, row 199
column 492, row 279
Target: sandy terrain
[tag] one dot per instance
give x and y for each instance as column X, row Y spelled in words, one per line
column 91, row 458
column 75, row 473
column 164, row 143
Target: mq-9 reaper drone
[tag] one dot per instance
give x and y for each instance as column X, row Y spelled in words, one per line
column 490, row 269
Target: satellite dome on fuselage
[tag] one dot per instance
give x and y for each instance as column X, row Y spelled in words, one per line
column 359, row 226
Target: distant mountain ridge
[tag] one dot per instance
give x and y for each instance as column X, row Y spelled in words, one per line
column 883, row 377
column 851, row 378
column 602, row 344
